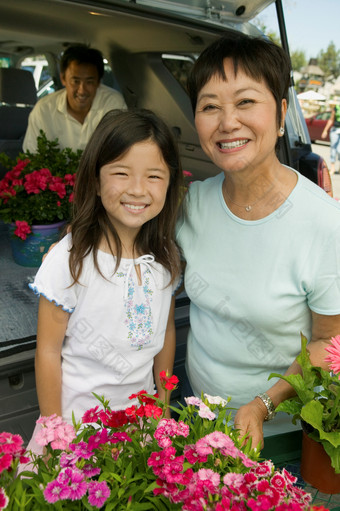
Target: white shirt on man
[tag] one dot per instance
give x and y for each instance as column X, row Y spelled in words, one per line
column 50, row 115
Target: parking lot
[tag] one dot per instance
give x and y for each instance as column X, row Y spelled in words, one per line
column 323, row 149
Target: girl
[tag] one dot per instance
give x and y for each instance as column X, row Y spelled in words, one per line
column 106, row 310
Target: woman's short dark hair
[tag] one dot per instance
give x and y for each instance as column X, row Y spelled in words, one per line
column 259, row 58
column 82, row 54
column 116, row 133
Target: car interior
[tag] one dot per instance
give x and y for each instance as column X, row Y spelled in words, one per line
column 148, row 47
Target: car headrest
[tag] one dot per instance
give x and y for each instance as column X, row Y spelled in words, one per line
column 17, row 86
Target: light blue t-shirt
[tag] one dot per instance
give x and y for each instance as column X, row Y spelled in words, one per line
column 253, row 285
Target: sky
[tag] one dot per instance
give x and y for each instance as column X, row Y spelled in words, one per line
column 311, row 24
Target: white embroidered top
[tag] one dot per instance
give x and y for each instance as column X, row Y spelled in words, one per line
column 116, row 325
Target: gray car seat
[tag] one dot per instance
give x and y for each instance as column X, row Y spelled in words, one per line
column 18, row 95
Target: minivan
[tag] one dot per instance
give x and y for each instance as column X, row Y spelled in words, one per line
column 150, row 46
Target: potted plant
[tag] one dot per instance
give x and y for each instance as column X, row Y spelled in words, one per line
column 317, row 406
column 37, row 191
column 136, row 459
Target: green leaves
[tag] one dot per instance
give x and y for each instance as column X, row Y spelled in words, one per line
column 316, row 403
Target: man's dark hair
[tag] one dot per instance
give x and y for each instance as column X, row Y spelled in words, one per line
column 82, row 54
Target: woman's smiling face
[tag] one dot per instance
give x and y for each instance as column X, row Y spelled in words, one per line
column 236, row 121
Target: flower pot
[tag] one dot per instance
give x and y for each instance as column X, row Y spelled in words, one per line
column 29, row 252
column 316, row 468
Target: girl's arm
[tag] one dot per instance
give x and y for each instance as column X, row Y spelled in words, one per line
column 164, row 360
column 52, row 324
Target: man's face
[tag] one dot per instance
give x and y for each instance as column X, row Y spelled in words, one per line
column 81, row 82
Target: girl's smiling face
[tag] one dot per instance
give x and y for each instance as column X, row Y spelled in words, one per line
column 133, row 188
column 236, row 121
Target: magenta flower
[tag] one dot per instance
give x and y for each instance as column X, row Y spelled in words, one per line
column 334, row 355
column 278, row 482
column 5, row 461
column 22, row 229
column 10, row 443
column 52, row 492
column 4, row 500
column 77, row 486
column 98, row 492
column 91, row 415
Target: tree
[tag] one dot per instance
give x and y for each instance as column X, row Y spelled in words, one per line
column 298, row 58
column 329, row 60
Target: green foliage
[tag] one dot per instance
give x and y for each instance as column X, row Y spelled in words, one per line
column 298, row 59
column 48, row 199
column 329, row 61
column 317, row 403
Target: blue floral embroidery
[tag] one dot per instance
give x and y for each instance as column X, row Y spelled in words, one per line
column 139, row 315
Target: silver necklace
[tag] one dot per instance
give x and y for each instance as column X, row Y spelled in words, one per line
column 247, row 207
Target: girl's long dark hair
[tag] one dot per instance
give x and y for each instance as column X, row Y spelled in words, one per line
column 116, row 133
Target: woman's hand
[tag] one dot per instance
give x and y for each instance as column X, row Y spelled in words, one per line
column 249, row 421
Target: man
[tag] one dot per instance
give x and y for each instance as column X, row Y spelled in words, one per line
column 334, row 136
column 72, row 114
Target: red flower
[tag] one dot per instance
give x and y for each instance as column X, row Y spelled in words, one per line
column 37, row 181
column 70, row 179
column 168, row 382
column 22, row 229
column 57, row 185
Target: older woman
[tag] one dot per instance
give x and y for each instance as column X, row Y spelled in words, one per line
column 261, row 242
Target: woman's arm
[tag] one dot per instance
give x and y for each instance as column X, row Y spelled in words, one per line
column 52, row 324
column 250, row 417
column 164, row 360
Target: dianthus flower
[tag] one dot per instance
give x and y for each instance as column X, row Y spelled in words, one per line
column 98, row 493
column 10, row 443
column 168, row 382
column 91, row 415
column 4, row 500
column 205, row 413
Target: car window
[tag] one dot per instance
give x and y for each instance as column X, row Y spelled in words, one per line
column 179, row 66
column 38, row 65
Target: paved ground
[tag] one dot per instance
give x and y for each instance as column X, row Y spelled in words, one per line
column 322, row 148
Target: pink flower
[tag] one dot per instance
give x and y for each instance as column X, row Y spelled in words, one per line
column 77, row 486
column 4, row 500
column 99, row 492
column 192, row 400
column 22, row 229
column 55, row 431
column 206, row 474
column 186, row 173
column 203, row 447
column 232, row 479
column 10, row 443
column 205, row 413
column 52, row 492
column 334, row 358
column 91, row 471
